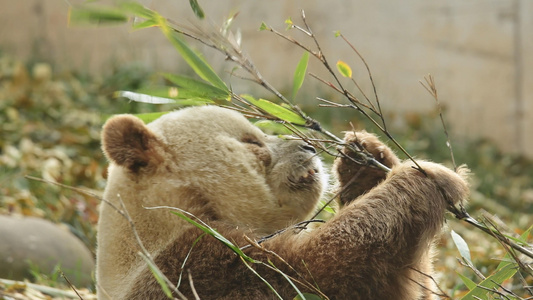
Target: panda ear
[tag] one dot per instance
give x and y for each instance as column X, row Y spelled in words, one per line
column 127, row 142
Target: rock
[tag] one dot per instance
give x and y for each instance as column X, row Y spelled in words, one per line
column 28, row 243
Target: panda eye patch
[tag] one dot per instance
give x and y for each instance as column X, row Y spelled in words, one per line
column 250, row 139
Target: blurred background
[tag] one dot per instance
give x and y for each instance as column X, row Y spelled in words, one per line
column 57, row 82
column 480, row 51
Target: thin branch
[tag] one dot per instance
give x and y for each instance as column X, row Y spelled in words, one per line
column 72, row 287
column 443, row 293
column 469, row 265
column 193, row 289
column 304, row 283
column 504, row 241
column 432, row 89
column 371, row 81
column 295, row 226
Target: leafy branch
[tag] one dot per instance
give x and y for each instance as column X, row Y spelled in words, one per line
column 213, row 90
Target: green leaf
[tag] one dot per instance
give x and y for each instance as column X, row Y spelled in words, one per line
column 497, row 278
column 299, row 74
column 526, row 233
column 197, row 9
column 150, row 117
column 337, row 33
column 158, row 276
column 276, row 110
column 327, row 208
column 462, row 246
column 82, row 15
column 144, row 24
column 198, row 88
column 288, row 280
column 467, row 281
column 289, row 23
column 262, row 279
column 307, row 296
column 344, row 69
column 139, row 10
column 505, row 270
column 521, row 240
column 187, row 258
column 198, row 64
column 207, row 229
column 272, row 127
column 263, row 26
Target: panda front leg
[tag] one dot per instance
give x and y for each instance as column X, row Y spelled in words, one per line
column 377, row 246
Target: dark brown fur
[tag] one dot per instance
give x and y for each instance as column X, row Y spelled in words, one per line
column 135, row 149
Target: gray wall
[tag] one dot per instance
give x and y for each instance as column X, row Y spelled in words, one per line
column 479, row 51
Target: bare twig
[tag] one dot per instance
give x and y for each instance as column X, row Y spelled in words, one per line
column 304, row 283
column 432, row 89
column 441, row 294
column 72, row 287
column 467, row 264
column 193, row 289
column 299, row 225
column 371, row 81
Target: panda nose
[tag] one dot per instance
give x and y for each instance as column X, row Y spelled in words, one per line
column 308, row 148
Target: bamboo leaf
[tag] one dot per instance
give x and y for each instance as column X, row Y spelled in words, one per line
column 198, row 88
column 262, row 279
column 158, row 276
column 344, row 69
column 82, row 15
column 299, row 74
column 521, row 240
column 462, row 246
column 307, row 296
column 505, row 270
column 198, row 64
column 276, row 110
column 138, row 9
column 150, row 117
column 467, row 281
column 491, row 282
column 207, row 229
column 197, row 9
column 327, row 208
column 288, row 280
column 144, row 24
column 272, row 127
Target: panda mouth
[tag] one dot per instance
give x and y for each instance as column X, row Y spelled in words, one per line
column 304, row 178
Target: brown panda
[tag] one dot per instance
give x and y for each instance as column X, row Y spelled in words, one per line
column 215, row 164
